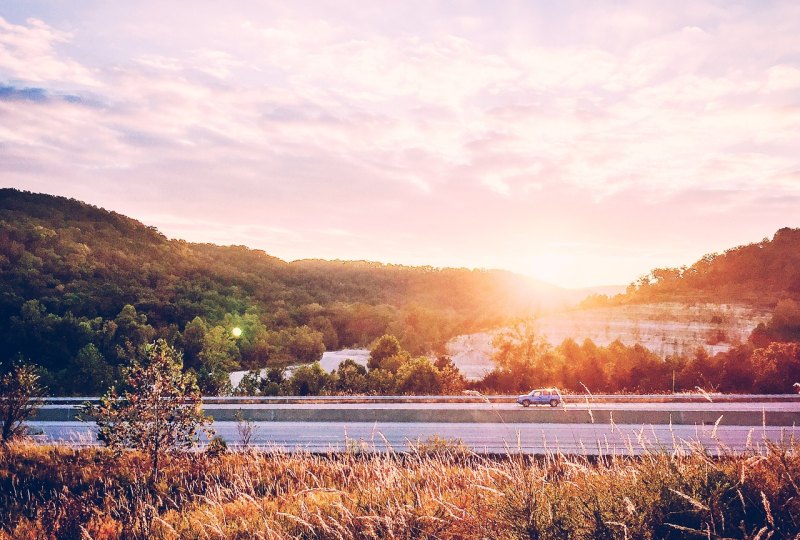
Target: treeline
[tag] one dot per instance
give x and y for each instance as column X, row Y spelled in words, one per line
column 80, row 286
column 760, row 273
column 618, row 368
column 391, row 370
column 768, row 363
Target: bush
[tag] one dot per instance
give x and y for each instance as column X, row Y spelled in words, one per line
column 20, row 396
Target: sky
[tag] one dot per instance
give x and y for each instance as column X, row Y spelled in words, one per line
column 582, row 143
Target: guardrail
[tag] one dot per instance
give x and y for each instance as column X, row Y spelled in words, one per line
column 568, row 398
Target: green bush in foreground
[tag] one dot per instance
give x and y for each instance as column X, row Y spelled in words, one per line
column 52, row 492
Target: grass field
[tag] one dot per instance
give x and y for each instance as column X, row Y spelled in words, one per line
column 439, row 490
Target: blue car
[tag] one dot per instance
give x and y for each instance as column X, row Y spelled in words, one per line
column 541, row 396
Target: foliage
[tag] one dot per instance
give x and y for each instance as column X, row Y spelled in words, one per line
column 418, row 376
column 74, row 275
column 159, row 412
column 308, row 381
column 761, row 273
column 350, row 378
column 20, row 396
column 385, row 348
column 525, row 361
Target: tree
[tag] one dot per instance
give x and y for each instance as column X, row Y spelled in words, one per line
column 20, row 396
column 524, row 359
column 159, row 412
column 307, row 381
column 776, row 367
column 350, row 378
column 381, row 382
column 385, row 348
column 219, row 352
column 92, row 370
column 418, row 376
column 451, row 380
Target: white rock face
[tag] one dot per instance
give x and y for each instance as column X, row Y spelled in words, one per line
column 665, row 328
column 331, row 359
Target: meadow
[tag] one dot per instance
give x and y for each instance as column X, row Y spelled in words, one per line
column 437, row 490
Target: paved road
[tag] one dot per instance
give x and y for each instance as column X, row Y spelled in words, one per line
column 753, row 407
column 587, row 439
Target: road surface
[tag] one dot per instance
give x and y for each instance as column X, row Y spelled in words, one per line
column 585, row 439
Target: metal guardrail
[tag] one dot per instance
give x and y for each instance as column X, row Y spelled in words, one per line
column 568, row 398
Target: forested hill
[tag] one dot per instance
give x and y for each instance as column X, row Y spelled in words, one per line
column 64, row 262
column 761, row 273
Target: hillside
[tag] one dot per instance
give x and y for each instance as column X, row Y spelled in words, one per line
column 760, row 273
column 68, row 269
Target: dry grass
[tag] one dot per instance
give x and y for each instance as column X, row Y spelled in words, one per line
column 436, row 491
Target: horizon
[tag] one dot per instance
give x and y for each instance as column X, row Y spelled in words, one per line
column 580, row 145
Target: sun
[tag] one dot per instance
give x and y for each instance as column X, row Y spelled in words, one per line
column 548, row 267
column 236, row 332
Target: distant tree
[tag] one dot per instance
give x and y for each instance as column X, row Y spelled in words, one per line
column 524, row 359
column 194, row 334
column 329, row 336
column 418, row 376
column 776, row 368
column 93, row 373
column 270, row 385
column 385, row 348
column 451, row 380
column 307, row 381
column 213, row 383
column 350, row 378
column 381, row 382
column 219, row 352
column 786, row 320
column 159, row 412
column 306, row 345
column 20, row 396
column 250, row 385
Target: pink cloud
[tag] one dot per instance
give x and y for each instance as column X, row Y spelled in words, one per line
column 494, row 139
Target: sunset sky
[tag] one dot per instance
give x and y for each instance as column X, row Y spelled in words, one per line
column 582, row 143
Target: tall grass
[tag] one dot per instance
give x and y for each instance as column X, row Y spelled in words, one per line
column 435, row 491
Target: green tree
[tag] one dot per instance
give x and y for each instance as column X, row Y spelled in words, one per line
column 92, row 370
column 194, row 334
column 385, row 348
column 20, row 396
column 381, row 382
column 307, row 381
column 350, row 378
column 159, row 412
column 418, row 376
column 220, row 352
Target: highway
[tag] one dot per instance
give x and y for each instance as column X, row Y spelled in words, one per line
column 572, row 438
column 586, row 427
column 699, row 406
column 655, row 413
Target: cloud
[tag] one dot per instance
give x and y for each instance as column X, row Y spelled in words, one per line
column 505, row 123
column 28, row 53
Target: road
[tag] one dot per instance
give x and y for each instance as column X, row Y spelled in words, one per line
column 585, row 439
column 702, row 406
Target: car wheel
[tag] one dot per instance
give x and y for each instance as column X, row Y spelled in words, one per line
column 554, row 403
column 526, row 403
